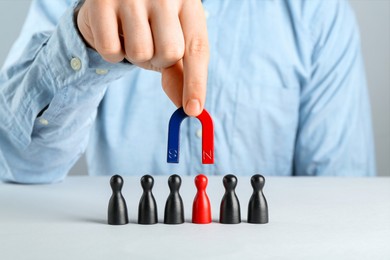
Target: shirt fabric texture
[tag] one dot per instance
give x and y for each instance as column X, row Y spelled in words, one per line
column 286, row 90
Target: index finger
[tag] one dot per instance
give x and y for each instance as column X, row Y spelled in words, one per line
column 196, row 56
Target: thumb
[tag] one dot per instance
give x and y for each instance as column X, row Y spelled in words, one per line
column 172, row 83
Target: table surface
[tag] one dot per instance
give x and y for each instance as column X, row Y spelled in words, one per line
column 310, row 218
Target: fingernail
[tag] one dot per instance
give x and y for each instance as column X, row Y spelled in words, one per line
column 193, row 107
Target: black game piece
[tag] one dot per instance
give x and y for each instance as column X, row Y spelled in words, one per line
column 147, row 209
column 174, row 209
column 117, row 209
column 230, row 211
column 257, row 207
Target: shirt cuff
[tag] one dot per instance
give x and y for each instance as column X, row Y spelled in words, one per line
column 70, row 59
column 63, row 66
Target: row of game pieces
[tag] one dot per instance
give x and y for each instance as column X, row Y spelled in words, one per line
column 230, row 211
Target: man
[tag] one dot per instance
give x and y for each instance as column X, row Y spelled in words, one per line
column 285, row 87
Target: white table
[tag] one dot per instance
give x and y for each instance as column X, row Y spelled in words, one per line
column 310, row 218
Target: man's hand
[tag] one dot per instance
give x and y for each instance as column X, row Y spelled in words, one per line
column 169, row 36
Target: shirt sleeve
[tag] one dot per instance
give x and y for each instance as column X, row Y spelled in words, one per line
column 335, row 130
column 50, row 88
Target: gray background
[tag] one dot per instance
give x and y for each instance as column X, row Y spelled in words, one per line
column 374, row 20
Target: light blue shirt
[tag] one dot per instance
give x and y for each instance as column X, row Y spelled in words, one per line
column 286, row 90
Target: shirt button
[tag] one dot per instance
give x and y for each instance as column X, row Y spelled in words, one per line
column 101, row 71
column 43, row 121
column 75, row 63
column 199, row 133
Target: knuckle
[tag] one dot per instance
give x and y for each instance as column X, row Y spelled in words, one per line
column 139, row 54
column 198, row 47
column 172, row 53
column 113, row 58
column 108, row 49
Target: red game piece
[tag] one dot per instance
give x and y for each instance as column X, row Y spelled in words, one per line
column 201, row 209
